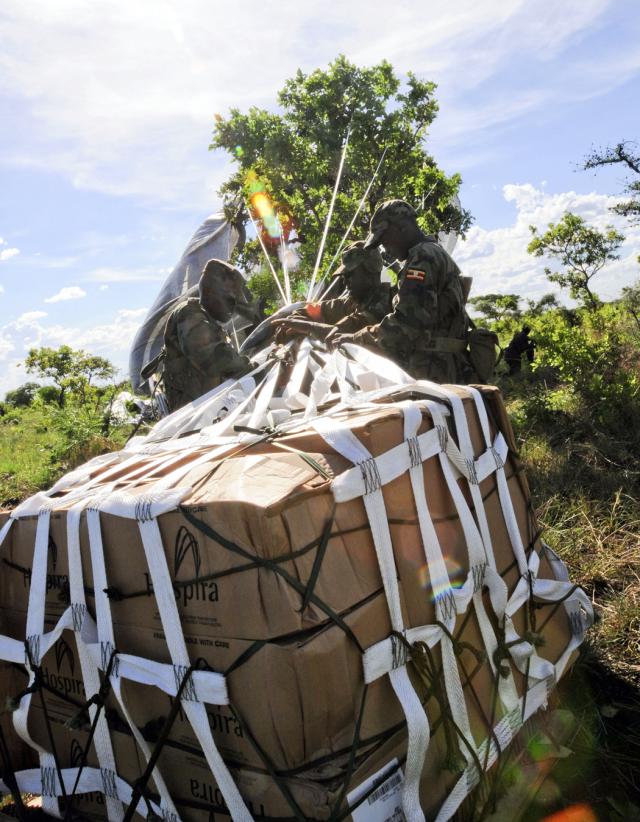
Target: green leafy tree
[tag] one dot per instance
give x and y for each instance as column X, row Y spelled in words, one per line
column 291, row 158
column 623, row 154
column 631, row 301
column 496, row 307
column 71, row 371
column 23, row 396
column 581, row 250
column 546, row 303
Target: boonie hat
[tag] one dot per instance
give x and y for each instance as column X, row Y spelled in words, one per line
column 391, row 211
column 357, row 256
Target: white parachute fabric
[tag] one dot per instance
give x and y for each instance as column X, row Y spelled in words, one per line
column 214, row 238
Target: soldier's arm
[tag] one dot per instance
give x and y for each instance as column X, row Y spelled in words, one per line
column 205, row 345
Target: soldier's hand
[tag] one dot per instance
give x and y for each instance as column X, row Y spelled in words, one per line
column 332, row 336
column 283, row 331
column 339, row 339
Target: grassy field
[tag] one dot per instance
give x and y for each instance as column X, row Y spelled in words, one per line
column 40, row 444
column 586, row 488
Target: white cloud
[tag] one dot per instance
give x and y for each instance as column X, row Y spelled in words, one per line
column 6, row 346
column 103, row 287
column 126, row 92
column 125, row 275
column 29, row 318
column 111, row 340
column 71, row 292
column 8, row 253
column 498, row 260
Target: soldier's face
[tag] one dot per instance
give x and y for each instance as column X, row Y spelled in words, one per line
column 221, row 298
column 394, row 243
column 359, row 282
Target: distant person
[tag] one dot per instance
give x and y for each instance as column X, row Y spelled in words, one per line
column 521, row 343
column 198, row 354
column 426, row 332
column 365, row 299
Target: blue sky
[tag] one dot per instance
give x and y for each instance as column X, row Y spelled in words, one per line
column 107, row 111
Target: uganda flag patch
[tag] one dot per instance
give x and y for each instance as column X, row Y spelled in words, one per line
column 416, row 274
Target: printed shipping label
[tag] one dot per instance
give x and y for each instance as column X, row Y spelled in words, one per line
column 384, row 803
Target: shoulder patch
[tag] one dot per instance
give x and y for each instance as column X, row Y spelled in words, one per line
column 415, row 274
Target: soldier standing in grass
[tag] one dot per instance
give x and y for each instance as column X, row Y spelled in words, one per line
column 521, row 343
column 198, row 354
column 426, row 332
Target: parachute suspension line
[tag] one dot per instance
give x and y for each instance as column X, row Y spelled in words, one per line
column 329, row 214
column 344, row 239
column 267, row 257
column 285, row 264
column 235, row 334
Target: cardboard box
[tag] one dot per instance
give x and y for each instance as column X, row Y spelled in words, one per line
column 298, row 692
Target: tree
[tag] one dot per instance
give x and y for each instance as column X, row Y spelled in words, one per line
column 581, row 250
column 630, row 301
column 624, row 154
column 22, row 396
column 287, row 162
column 497, row 307
column 71, row 371
column 537, row 307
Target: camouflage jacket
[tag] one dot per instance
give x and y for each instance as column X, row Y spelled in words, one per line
column 427, row 328
column 198, row 354
column 349, row 314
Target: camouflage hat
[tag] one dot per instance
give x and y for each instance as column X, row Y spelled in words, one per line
column 391, row 211
column 216, row 268
column 357, row 256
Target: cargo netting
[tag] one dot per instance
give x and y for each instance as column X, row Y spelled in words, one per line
column 432, row 668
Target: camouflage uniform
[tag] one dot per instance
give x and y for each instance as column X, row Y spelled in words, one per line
column 426, row 331
column 348, row 312
column 198, row 354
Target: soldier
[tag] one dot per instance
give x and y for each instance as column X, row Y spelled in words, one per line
column 521, row 343
column 198, row 354
column 426, row 332
column 366, row 300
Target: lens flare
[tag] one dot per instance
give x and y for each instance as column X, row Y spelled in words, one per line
column 263, row 206
column 576, row 813
column 438, row 586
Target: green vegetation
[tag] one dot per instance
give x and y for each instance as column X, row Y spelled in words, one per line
column 291, row 159
column 623, row 154
column 46, row 430
column 581, row 250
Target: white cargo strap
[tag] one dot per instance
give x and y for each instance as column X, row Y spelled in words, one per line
column 105, row 647
column 292, row 394
column 90, row 675
column 92, row 780
column 32, row 658
column 346, row 443
column 444, row 599
column 479, row 570
column 145, row 511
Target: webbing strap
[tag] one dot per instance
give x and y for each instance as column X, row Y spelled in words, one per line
column 90, row 675
column 106, row 645
column 346, row 443
column 192, row 706
column 46, row 782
